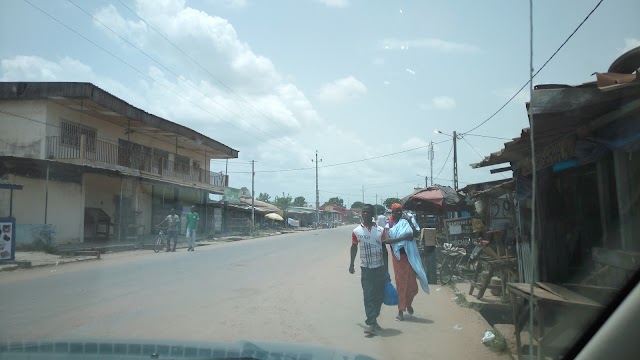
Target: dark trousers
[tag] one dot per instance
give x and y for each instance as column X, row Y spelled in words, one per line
column 373, row 290
column 172, row 235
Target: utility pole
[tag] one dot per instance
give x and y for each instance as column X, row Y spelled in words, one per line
column 253, row 195
column 376, row 200
column 455, row 161
column 431, row 162
column 363, row 194
column 317, row 191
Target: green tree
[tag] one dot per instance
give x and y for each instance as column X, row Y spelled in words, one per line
column 357, row 205
column 264, row 197
column 379, row 209
column 245, row 191
column 336, row 201
column 391, row 201
column 283, row 202
column 299, row 201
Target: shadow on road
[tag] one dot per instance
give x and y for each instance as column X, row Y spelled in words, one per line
column 414, row 319
column 385, row 332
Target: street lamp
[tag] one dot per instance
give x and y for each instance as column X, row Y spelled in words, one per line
column 455, row 156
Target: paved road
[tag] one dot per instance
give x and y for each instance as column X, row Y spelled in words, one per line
column 288, row 288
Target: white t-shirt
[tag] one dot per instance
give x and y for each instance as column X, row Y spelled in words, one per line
column 370, row 242
column 382, row 220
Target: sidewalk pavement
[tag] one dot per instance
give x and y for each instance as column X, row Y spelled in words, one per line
column 70, row 253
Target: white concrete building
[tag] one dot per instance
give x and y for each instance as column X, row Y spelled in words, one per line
column 95, row 167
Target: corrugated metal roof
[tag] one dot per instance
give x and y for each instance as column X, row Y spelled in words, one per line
column 561, row 110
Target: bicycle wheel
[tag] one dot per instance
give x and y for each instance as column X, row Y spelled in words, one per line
column 446, row 271
column 157, row 246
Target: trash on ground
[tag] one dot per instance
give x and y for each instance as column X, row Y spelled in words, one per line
column 457, row 327
column 488, row 337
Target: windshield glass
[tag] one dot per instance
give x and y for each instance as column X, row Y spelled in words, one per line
column 391, row 179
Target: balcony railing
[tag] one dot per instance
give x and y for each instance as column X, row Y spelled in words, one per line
column 113, row 154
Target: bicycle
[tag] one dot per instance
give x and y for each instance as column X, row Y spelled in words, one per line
column 458, row 259
column 161, row 239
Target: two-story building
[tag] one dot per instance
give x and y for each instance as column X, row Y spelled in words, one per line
column 95, row 167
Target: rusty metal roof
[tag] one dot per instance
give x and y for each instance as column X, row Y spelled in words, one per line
column 563, row 110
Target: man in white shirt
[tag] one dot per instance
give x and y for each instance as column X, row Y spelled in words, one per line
column 172, row 231
column 373, row 265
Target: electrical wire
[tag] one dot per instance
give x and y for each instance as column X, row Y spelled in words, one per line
column 174, row 73
column 445, row 161
column 479, row 154
column 197, row 63
column 487, row 136
column 137, row 70
column 530, row 81
column 343, row 163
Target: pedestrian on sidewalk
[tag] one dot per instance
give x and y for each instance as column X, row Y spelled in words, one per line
column 373, row 265
column 404, row 253
column 192, row 224
column 172, row 230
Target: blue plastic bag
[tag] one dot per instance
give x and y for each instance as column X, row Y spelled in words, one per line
column 390, row 293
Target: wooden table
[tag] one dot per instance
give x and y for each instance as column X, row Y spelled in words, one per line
column 546, row 297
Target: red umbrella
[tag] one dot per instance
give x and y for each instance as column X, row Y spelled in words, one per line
column 432, row 198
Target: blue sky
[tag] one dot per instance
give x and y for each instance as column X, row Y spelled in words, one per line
column 352, row 79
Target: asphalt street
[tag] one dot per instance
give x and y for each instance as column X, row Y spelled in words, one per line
column 292, row 288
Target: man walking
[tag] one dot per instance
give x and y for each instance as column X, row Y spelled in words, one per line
column 172, row 230
column 373, row 265
column 192, row 224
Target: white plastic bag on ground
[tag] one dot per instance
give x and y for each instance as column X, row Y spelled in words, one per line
column 488, row 337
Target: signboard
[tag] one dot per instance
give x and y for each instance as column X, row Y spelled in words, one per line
column 7, row 239
column 458, row 230
column 231, row 194
column 549, row 155
column 292, row 222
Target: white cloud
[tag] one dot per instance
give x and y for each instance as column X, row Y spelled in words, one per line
column 629, row 44
column 386, row 82
column 429, row 43
column 443, row 103
column 235, row 4
column 378, row 61
column 335, row 3
column 410, row 71
column 342, row 90
column 507, row 93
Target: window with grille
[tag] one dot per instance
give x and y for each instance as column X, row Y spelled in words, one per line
column 181, row 164
column 70, row 135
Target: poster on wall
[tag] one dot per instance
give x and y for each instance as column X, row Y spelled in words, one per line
column 7, row 238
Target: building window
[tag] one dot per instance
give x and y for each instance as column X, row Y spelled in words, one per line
column 70, row 135
column 181, row 164
column 196, row 164
column 160, row 159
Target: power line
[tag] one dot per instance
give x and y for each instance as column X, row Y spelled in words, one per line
column 479, row 154
column 136, row 69
column 534, row 75
column 445, row 161
column 472, row 148
column 488, row 137
column 171, row 71
column 195, row 62
column 347, row 162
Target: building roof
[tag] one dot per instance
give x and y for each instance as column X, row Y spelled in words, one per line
column 560, row 112
column 91, row 100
